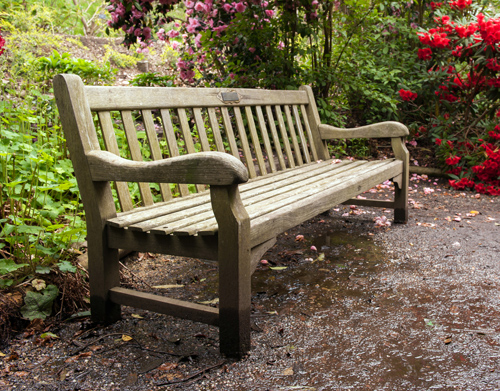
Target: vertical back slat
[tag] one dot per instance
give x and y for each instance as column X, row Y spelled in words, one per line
column 312, row 115
column 255, row 141
column 230, row 133
column 202, row 133
column 186, row 135
column 214, row 124
column 300, row 130
column 284, row 137
column 108, row 133
column 265, row 138
column 244, row 142
column 135, row 152
column 154, row 146
column 173, row 148
column 276, row 139
column 309, row 132
column 293, row 136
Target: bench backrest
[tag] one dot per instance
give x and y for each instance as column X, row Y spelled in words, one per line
column 267, row 130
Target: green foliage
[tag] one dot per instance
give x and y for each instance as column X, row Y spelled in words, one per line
column 90, row 72
column 152, row 79
column 121, row 60
column 38, row 305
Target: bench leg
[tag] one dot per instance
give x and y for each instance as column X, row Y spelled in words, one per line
column 104, row 274
column 401, row 207
column 402, row 182
column 234, row 271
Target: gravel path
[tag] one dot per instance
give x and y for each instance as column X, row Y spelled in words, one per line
column 359, row 307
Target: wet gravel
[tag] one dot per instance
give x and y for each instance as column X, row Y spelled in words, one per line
column 358, row 307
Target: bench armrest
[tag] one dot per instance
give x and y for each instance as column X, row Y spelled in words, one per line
column 207, row 168
column 380, row 130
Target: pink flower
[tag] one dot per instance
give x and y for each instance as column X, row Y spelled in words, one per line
column 227, row 7
column 251, row 50
column 270, row 13
column 240, row 7
column 173, row 33
column 199, row 6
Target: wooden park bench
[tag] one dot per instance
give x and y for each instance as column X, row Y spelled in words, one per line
column 207, row 173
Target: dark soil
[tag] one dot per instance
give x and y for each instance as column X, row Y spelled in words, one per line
column 400, row 307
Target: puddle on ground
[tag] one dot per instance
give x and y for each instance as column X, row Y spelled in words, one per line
column 356, row 331
column 342, row 265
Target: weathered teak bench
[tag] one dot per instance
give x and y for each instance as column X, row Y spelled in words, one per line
column 261, row 154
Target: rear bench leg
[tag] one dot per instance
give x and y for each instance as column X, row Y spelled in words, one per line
column 104, row 274
column 402, row 181
column 234, row 270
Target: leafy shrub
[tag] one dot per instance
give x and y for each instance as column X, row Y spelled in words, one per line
column 90, row 72
column 459, row 91
column 152, row 79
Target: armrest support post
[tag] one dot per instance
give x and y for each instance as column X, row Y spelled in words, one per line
column 234, row 269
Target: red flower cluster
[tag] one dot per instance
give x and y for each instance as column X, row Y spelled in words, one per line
column 492, row 63
column 460, row 4
column 407, row 95
column 435, row 6
column 489, row 29
column 494, row 135
column 2, row 43
column 425, row 54
column 434, row 38
column 453, row 160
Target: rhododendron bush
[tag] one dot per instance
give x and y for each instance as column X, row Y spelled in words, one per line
column 223, row 42
column 458, row 99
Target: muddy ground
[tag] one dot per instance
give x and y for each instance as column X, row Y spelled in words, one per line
column 358, row 307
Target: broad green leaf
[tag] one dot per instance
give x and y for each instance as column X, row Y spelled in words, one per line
column 66, row 266
column 9, row 266
column 38, row 305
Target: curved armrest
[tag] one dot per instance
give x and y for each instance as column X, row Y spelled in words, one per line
column 208, row 168
column 380, row 130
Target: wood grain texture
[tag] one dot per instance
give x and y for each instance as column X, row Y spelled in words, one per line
column 164, row 305
column 210, row 168
column 381, row 130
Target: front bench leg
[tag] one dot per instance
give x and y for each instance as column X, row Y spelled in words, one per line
column 104, row 273
column 234, row 270
column 402, row 182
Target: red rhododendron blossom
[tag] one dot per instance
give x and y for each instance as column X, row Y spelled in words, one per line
column 452, row 160
column 407, row 95
column 492, row 63
column 435, row 6
column 434, row 39
column 2, row 44
column 466, row 31
column 438, row 141
column 493, row 135
column 425, row 54
column 489, row 30
column 461, row 184
column 457, row 52
column 460, row 4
